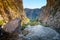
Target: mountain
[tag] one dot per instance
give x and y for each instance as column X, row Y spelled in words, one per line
column 32, row 13
column 51, row 14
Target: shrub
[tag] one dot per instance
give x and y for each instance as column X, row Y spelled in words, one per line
column 1, row 22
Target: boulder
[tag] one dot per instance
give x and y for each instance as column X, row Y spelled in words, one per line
column 13, row 26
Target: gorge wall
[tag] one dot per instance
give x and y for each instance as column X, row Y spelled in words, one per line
column 11, row 9
column 50, row 15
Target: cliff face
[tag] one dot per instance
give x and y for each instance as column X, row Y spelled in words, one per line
column 51, row 14
column 32, row 13
column 11, row 9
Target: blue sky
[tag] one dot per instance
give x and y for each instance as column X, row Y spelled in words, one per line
column 34, row 3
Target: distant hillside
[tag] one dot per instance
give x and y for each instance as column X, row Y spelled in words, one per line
column 32, row 13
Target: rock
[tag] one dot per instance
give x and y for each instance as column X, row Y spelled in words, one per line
column 32, row 13
column 13, row 26
column 39, row 32
column 11, row 30
column 51, row 14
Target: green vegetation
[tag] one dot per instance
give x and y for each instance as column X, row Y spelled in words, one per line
column 32, row 23
column 46, row 25
column 1, row 22
column 24, row 26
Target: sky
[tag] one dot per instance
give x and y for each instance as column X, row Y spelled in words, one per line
column 34, row 3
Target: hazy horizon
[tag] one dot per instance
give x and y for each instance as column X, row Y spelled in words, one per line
column 31, row 8
column 33, row 4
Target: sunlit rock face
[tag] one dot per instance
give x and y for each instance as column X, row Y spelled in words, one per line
column 11, row 9
column 51, row 14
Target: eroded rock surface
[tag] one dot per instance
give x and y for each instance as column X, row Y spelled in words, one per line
column 50, row 15
column 39, row 32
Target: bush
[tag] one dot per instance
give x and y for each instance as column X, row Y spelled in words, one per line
column 34, row 22
column 1, row 22
column 24, row 26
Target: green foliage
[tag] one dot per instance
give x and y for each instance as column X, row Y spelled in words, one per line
column 46, row 25
column 1, row 22
column 24, row 26
column 32, row 23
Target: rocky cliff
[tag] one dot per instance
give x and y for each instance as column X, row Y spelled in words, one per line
column 32, row 13
column 11, row 12
column 51, row 14
column 11, row 9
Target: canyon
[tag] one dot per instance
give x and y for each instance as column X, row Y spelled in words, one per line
column 51, row 14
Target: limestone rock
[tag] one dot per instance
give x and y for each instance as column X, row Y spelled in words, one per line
column 13, row 26
column 51, row 14
column 39, row 32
